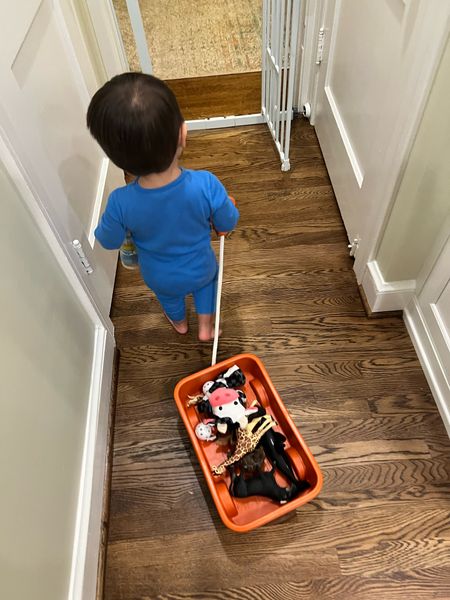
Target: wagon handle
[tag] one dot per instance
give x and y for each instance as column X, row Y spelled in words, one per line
column 219, row 292
column 218, row 299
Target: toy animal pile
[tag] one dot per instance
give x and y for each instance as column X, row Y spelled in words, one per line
column 249, row 431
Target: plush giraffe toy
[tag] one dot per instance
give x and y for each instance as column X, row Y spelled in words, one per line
column 247, row 440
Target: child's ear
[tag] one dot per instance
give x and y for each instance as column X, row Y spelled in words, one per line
column 183, row 135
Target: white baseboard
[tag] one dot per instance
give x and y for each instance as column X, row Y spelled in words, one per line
column 221, row 122
column 437, row 374
column 87, row 535
column 386, row 296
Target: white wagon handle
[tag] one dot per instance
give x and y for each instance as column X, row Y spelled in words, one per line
column 219, row 293
column 218, row 299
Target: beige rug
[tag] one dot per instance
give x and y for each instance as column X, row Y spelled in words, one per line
column 196, row 38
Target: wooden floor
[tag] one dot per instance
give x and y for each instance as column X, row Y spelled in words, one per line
column 204, row 97
column 380, row 529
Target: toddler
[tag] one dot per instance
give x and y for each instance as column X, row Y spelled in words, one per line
column 169, row 210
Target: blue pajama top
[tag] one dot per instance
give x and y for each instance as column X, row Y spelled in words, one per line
column 171, row 228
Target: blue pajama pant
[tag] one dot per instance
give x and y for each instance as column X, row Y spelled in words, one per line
column 204, row 300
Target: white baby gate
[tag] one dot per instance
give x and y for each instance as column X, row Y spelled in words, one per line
column 280, row 31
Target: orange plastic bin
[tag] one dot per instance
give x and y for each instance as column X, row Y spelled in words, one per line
column 245, row 514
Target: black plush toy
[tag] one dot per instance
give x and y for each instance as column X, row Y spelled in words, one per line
column 253, row 461
column 262, row 484
column 273, row 444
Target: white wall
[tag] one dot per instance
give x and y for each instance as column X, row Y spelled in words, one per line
column 423, row 199
column 46, row 352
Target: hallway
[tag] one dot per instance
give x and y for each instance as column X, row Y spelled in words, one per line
column 379, row 529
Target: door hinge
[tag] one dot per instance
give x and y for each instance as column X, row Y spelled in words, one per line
column 82, row 256
column 353, row 247
column 320, row 45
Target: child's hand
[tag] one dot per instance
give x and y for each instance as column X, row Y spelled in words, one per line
column 225, row 233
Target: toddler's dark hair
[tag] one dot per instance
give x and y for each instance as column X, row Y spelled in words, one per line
column 136, row 120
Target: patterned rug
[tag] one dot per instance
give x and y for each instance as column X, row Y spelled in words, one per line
column 196, row 38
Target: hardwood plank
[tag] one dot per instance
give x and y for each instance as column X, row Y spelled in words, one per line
column 140, row 329
column 218, row 95
column 311, row 529
column 188, row 572
column 376, row 484
column 398, row 427
column 306, row 408
column 315, row 423
column 369, row 452
column 241, row 337
column 313, row 289
column 272, row 547
column 389, row 556
column 349, row 367
column 414, row 585
column 400, row 482
column 401, row 404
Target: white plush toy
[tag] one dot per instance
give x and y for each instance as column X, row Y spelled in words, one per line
column 205, row 432
column 226, row 403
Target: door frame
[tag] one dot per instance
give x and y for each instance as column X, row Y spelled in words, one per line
column 308, row 65
column 86, row 544
column 105, row 28
column 414, row 87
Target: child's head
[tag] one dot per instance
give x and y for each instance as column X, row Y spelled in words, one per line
column 137, row 121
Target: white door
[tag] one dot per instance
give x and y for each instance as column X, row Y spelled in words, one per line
column 56, row 358
column 47, row 77
column 377, row 67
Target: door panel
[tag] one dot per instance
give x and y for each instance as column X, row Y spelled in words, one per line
column 62, row 132
column 358, row 71
column 443, row 307
column 356, row 26
column 377, row 70
column 47, row 80
column 434, row 301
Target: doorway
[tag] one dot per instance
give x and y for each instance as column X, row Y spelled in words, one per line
column 196, row 39
column 205, row 51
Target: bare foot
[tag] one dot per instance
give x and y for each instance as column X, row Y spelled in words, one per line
column 210, row 337
column 180, row 327
column 206, row 328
